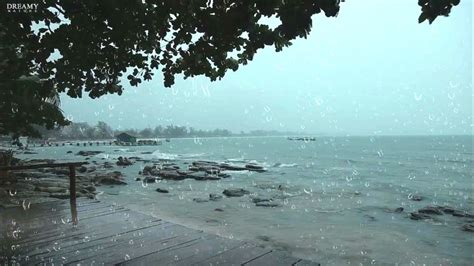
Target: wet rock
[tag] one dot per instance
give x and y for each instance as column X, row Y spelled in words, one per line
column 430, row 210
column 161, row 190
column 218, row 210
column 419, row 216
column 416, row 198
column 69, row 152
column 88, row 153
column 370, row 218
column 468, row 227
column 199, row 200
column 193, row 168
column 123, row 161
column 51, row 189
column 82, row 169
column 89, row 188
column 174, row 175
column 204, row 177
column 446, row 209
column 215, row 197
column 223, row 175
column 270, row 204
column 254, row 167
column 60, row 195
column 264, row 238
column 112, row 178
column 235, row 192
column 138, row 179
column 231, row 167
column 459, row 213
column 257, row 200
column 108, row 165
column 91, row 169
column 398, row 210
column 149, row 179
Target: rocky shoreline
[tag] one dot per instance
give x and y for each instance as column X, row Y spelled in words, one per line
column 25, row 187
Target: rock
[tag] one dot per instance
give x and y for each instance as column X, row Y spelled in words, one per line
column 370, row 218
column 193, row 168
column 223, row 175
column 138, row 179
column 218, row 210
column 235, row 192
column 108, row 165
column 91, row 169
column 161, row 190
column 123, row 161
column 446, row 209
column 150, row 179
column 174, row 175
column 69, row 152
column 199, row 200
column 419, row 216
column 51, row 189
column 203, row 177
column 416, row 197
column 254, row 167
column 88, row 153
column 60, row 195
column 231, row 167
column 257, row 200
column 459, row 213
column 468, row 227
column 89, row 188
column 264, row 238
column 112, row 178
column 398, row 210
column 430, row 210
column 267, row 204
column 215, row 197
column 82, row 169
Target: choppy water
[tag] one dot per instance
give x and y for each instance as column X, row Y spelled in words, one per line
column 333, row 210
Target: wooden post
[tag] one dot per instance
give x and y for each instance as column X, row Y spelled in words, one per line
column 72, row 192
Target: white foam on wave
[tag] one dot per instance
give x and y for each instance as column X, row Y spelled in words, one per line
column 285, row 165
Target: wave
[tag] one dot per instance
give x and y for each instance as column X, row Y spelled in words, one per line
column 285, row 165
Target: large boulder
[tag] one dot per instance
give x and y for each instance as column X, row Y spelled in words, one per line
column 111, row 178
column 235, row 192
column 123, row 161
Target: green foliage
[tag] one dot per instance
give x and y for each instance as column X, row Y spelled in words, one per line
column 431, row 9
column 80, row 46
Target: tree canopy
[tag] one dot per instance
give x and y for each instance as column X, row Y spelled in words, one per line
column 88, row 46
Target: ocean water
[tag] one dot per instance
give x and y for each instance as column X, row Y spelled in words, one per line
column 337, row 196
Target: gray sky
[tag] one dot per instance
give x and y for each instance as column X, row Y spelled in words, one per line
column 373, row 70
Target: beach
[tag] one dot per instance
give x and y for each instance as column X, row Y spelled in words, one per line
column 335, row 200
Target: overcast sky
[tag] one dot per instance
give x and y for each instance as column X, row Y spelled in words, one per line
column 373, row 70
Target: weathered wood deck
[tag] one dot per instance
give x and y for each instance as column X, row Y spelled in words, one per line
column 107, row 234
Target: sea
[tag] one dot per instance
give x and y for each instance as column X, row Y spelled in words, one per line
column 337, row 195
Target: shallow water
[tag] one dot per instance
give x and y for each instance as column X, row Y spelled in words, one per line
column 335, row 197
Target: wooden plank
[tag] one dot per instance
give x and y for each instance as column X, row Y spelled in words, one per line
column 272, row 258
column 185, row 255
column 108, row 234
column 38, row 166
column 236, row 256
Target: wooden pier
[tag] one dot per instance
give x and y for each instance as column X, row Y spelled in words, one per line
column 110, row 234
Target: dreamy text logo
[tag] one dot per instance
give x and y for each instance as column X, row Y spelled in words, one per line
column 21, row 8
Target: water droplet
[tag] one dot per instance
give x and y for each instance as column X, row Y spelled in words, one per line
column 111, row 107
column 417, row 97
column 130, row 242
column 127, row 257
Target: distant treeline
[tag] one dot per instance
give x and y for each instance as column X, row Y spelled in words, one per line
column 78, row 131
